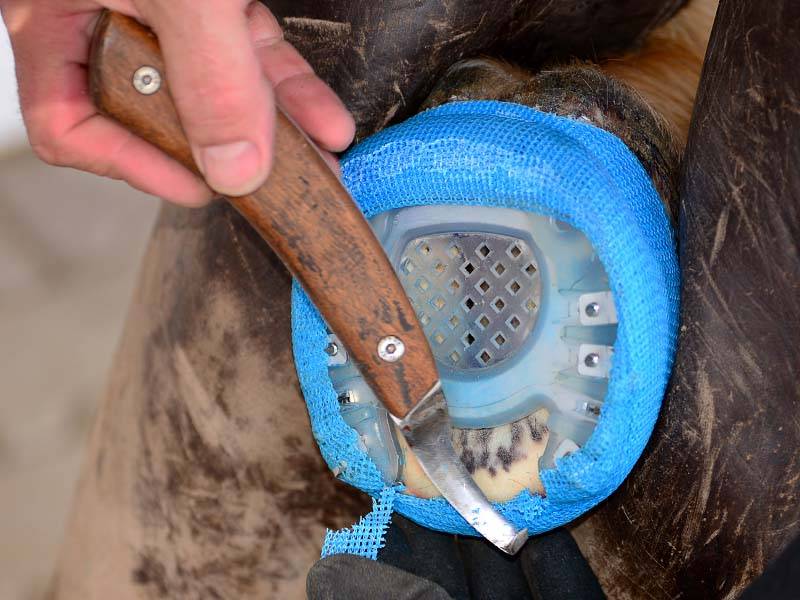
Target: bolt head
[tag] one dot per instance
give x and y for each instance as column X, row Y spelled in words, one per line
column 592, row 360
column 592, row 309
column 391, row 348
column 147, row 80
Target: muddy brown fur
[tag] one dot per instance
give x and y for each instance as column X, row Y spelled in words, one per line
column 716, row 494
column 204, row 466
column 383, row 58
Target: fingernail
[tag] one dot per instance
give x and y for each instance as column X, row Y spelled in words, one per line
column 232, row 169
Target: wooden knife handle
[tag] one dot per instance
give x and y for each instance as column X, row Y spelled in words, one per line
column 302, row 211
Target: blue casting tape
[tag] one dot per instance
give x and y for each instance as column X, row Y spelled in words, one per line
column 503, row 154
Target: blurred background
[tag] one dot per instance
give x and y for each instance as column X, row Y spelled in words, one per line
column 70, row 244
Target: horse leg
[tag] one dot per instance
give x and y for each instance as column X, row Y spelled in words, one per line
column 201, row 478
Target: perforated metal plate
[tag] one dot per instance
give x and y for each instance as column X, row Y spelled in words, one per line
column 477, row 295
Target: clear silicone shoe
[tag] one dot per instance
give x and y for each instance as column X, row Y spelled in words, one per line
column 519, row 315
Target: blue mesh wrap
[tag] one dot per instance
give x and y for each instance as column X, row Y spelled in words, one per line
column 364, row 538
column 502, row 154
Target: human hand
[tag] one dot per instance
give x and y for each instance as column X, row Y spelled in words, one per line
column 227, row 64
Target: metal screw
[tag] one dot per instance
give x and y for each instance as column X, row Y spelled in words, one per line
column 347, row 397
column 592, row 360
column 593, row 409
column 147, row 80
column 332, row 349
column 592, row 309
column 391, row 348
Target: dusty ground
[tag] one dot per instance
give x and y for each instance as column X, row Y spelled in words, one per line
column 70, row 244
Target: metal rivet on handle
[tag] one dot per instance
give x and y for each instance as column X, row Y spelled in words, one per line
column 147, row 80
column 391, row 348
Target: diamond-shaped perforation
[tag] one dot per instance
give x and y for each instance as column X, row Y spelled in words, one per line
column 498, row 340
column 529, row 269
column 468, row 339
column 498, row 304
column 485, row 357
column 483, row 250
column 476, row 294
column 483, row 286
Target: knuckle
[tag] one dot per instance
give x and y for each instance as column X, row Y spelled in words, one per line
column 46, row 148
column 220, row 111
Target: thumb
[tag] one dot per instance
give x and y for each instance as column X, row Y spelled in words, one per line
column 225, row 104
